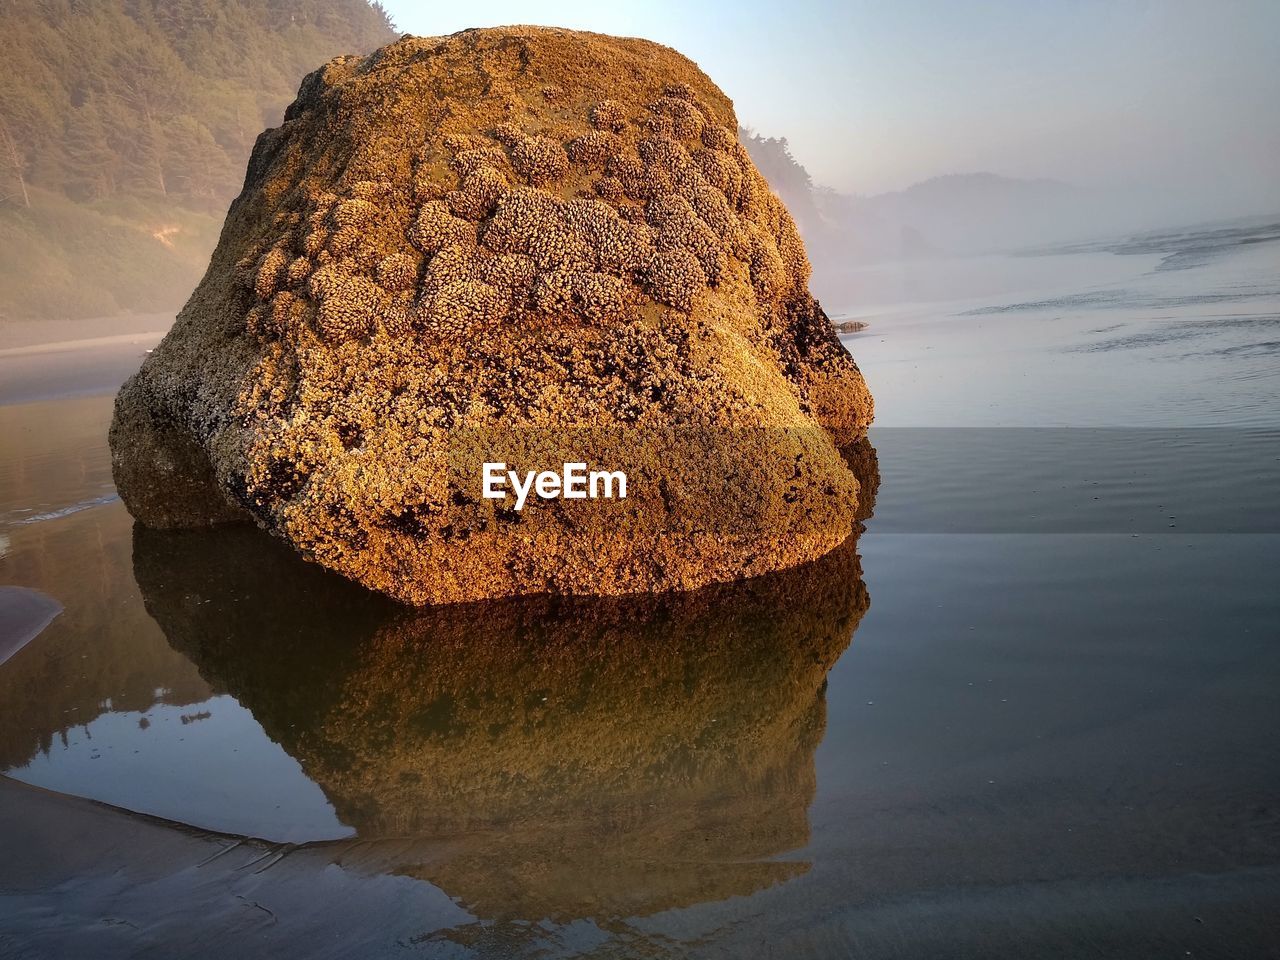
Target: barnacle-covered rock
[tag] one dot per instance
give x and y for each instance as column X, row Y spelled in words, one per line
column 540, row 160
column 609, row 115
column 520, row 245
column 399, row 271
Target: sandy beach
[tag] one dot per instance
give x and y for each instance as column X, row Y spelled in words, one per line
column 1050, row 734
column 82, row 879
column 42, row 360
column 81, row 368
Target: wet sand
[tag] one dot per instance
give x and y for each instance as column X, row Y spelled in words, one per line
column 1051, row 736
column 82, row 879
column 40, row 334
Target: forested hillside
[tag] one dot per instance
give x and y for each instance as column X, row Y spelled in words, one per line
column 125, row 126
column 789, row 179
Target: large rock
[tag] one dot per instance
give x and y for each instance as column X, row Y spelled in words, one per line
column 524, row 245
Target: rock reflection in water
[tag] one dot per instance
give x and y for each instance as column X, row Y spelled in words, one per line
column 547, row 756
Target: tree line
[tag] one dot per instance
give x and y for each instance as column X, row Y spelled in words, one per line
column 162, row 98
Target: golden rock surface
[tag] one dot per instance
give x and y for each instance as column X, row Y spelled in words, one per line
column 519, row 244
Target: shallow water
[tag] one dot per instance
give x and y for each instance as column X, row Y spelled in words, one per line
column 1171, row 341
column 1030, row 711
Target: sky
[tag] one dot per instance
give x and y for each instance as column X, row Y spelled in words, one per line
column 1167, row 95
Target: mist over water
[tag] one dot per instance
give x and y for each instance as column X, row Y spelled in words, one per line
column 902, row 132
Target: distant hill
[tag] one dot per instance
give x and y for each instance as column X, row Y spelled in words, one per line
column 956, row 214
column 125, row 126
column 963, row 213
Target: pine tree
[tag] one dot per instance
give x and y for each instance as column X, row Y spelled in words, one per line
column 154, row 104
column 89, row 163
column 15, row 161
column 198, row 167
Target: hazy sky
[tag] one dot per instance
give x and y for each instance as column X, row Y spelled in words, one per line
column 875, row 96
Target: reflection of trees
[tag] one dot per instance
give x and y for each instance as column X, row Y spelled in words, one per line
column 549, row 756
column 101, row 653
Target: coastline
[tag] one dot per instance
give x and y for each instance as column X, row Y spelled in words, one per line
column 84, row 366
column 86, row 878
column 41, row 335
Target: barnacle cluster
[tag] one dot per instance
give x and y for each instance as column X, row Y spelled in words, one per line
column 520, row 233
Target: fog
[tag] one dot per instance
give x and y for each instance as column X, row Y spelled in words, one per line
column 894, row 132
column 1145, row 114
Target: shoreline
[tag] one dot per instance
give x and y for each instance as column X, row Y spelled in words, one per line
column 85, row 343
column 64, row 369
column 62, row 886
column 39, row 335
